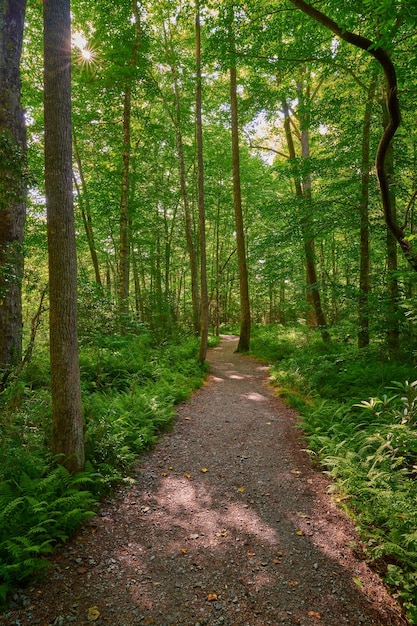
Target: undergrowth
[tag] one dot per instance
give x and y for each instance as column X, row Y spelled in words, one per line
column 362, row 428
column 130, row 385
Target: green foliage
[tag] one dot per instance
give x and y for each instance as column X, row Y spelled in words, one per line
column 130, row 386
column 36, row 511
column 368, row 446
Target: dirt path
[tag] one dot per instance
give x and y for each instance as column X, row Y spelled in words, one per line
column 226, row 525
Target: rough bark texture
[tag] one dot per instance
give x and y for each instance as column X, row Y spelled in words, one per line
column 12, row 181
column 67, row 426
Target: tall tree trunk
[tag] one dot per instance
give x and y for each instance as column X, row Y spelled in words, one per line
column 84, row 201
column 67, row 426
column 124, row 218
column 364, row 275
column 393, row 294
column 303, row 192
column 204, row 312
column 192, row 252
column 124, row 243
column 12, row 182
column 245, row 317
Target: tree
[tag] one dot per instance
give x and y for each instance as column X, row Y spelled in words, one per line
column 245, row 318
column 394, row 119
column 13, row 182
column 67, row 425
column 364, row 275
column 204, row 308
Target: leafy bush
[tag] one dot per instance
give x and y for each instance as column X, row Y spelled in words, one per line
column 368, row 446
column 130, row 386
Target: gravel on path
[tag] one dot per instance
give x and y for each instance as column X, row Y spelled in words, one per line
column 226, row 524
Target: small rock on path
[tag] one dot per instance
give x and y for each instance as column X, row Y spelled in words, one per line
column 226, row 524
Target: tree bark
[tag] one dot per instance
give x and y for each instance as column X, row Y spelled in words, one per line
column 124, row 217
column 245, row 316
column 364, row 272
column 67, row 426
column 393, row 292
column 204, row 306
column 86, row 215
column 12, row 182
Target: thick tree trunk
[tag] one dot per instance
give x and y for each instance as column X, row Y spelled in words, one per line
column 12, row 182
column 67, row 426
column 364, row 275
column 204, row 309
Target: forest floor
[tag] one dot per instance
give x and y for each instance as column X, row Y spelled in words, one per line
column 226, row 523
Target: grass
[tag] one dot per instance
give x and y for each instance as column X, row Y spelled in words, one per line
column 361, row 427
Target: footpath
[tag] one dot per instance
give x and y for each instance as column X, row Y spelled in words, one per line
column 225, row 523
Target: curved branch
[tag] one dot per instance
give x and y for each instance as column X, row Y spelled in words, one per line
column 393, row 108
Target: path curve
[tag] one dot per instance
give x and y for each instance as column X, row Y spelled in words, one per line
column 226, row 525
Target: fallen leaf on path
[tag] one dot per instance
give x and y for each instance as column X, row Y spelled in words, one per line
column 164, row 474
column 93, row 614
column 314, row 616
column 188, row 419
column 183, row 550
column 82, row 570
column 295, row 472
column 204, row 470
column 194, row 536
column 212, row 597
column 293, row 583
column 170, row 467
column 240, row 489
column 187, row 476
column 357, row 581
column 299, row 533
column 249, row 553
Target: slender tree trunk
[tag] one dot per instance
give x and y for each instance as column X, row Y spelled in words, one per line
column 86, row 214
column 364, row 275
column 67, row 426
column 192, row 252
column 124, row 217
column 12, row 182
column 124, row 244
column 393, row 293
column 245, row 316
column 303, row 192
column 204, row 310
